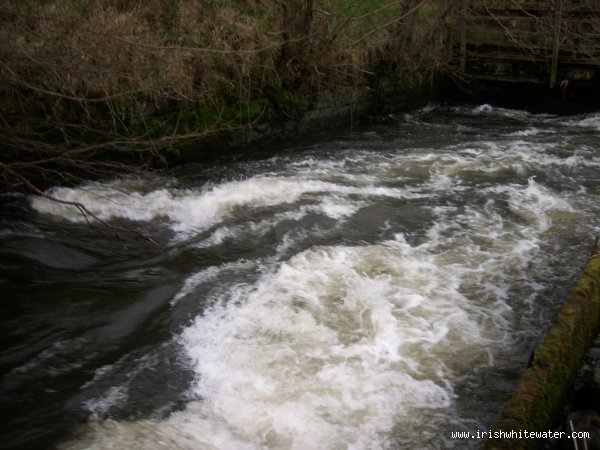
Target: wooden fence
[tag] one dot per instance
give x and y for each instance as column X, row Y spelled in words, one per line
column 553, row 41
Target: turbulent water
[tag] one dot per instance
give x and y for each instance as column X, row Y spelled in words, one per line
column 371, row 289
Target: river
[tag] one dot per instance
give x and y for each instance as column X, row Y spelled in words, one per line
column 366, row 289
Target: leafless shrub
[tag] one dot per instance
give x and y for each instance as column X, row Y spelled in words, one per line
column 88, row 88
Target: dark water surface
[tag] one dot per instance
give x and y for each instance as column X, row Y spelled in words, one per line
column 379, row 288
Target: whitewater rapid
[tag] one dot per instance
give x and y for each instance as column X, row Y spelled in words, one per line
column 401, row 273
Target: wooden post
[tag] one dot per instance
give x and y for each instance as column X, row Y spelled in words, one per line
column 463, row 37
column 558, row 5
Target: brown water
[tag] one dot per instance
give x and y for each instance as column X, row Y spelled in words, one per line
column 377, row 288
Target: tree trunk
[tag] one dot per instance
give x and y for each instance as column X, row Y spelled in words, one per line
column 297, row 20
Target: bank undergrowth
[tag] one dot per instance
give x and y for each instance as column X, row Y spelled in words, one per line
column 88, row 88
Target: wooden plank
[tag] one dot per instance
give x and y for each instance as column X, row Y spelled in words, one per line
column 528, row 6
column 581, row 62
column 515, row 5
column 513, row 23
column 480, row 36
column 506, row 56
column 590, row 6
column 507, row 79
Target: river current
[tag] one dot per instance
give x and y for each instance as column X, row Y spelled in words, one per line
column 369, row 289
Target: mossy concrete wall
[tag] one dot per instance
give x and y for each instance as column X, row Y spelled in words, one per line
column 537, row 402
column 329, row 109
column 341, row 107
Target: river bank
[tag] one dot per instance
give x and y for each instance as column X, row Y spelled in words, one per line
column 91, row 88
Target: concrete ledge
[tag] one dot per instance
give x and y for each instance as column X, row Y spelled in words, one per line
column 537, row 402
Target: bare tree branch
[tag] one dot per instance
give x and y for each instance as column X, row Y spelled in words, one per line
column 116, row 229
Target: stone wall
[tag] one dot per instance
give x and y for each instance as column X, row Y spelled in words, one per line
column 537, row 404
column 342, row 107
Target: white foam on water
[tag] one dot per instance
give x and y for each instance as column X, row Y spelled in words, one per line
column 191, row 211
column 208, row 274
column 218, row 236
column 180, row 433
column 485, row 108
column 335, row 207
column 331, row 349
column 357, row 347
column 517, row 114
column 537, row 205
column 335, row 348
column 591, row 121
column 106, row 201
column 532, row 131
column 513, row 158
column 100, row 406
column 262, row 227
column 114, row 385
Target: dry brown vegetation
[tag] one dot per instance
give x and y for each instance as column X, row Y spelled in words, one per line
column 91, row 87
